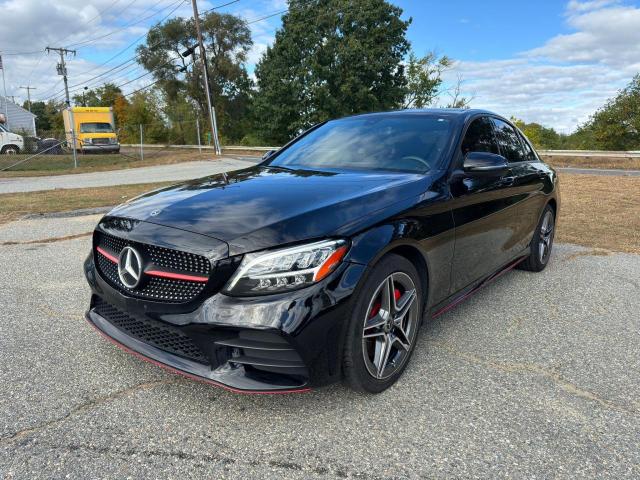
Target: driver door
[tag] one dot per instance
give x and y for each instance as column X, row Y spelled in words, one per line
column 484, row 211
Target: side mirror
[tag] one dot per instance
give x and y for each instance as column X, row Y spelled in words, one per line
column 485, row 164
column 268, row 154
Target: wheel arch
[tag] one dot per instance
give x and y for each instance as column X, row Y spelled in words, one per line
column 10, row 145
column 370, row 247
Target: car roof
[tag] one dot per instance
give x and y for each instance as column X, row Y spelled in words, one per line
column 457, row 113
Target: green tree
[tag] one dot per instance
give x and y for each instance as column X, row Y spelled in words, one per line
column 616, row 126
column 144, row 109
column 42, row 118
column 227, row 41
column 330, row 58
column 108, row 95
column 424, row 79
column 544, row 138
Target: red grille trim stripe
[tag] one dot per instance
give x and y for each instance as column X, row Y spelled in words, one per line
column 176, row 276
column 107, row 255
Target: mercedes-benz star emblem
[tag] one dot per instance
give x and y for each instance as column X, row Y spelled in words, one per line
column 130, row 267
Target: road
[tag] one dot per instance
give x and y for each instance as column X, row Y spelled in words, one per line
column 538, row 375
column 160, row 173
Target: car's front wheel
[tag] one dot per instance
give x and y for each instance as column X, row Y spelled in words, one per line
column 10, row 150
column 384, row 325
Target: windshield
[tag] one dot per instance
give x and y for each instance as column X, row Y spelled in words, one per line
column 411, row 143
column 96, row 127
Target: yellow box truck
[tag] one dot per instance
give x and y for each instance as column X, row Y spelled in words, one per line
column 94, row 129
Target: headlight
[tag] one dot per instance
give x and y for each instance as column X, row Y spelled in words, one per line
column 113, row 141
column 87, row 141
column 286, row 269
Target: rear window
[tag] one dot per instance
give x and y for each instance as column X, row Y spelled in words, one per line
column 509, row 143
column 409, row 143
column 96, row 127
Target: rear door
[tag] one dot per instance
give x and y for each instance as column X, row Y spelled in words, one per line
column 484, row 210
column 526, row 177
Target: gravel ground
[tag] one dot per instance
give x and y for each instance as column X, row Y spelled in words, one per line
column 160, row 173
column 537, row 376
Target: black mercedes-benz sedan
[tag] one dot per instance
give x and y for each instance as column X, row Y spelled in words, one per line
column 323, row 261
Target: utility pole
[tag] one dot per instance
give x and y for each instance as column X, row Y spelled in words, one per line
column 28, row 88
column 6, row 103
column 203, row 59
column 62, row 70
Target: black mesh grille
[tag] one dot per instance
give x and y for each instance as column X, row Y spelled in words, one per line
column 155, row 333
column 155, row 288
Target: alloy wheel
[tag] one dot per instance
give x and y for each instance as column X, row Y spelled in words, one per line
column 546, row 237
column 390, row 325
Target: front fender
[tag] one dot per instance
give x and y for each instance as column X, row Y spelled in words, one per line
column 428, row 239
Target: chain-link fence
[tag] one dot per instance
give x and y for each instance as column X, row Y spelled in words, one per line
column 134, row 144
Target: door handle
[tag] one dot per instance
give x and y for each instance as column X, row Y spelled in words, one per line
column 508, row 180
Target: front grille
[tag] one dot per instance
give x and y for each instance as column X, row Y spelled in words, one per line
column 155, row 333
column 100, row 141
column 154, row 288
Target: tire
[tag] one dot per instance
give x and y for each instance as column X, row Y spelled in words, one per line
column 10, row 150
column 542, row 242
column 395, row 333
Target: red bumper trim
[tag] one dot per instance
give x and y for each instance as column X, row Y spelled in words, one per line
column 190, row 376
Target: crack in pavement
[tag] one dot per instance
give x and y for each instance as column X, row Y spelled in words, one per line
column 6, row 439
column 46, row 240
column 335, row 471
column 532, row 368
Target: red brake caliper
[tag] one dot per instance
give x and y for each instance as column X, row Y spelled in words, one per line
column 376, row 306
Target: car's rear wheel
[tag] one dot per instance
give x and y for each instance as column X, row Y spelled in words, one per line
column 384, row 325
column 542, row 242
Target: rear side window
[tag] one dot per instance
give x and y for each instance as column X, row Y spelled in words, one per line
column 528, row 151
column 479, row 137
column 509, row 142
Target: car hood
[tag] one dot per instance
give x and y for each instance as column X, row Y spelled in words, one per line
column 261, row 207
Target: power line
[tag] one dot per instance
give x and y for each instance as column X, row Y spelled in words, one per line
column 135, row 57
column 123, row 27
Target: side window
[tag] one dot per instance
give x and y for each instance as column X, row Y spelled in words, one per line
column 510, row 146
column 528, row 151
column 479, row 137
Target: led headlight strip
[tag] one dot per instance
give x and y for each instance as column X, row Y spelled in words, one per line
column 287, row 268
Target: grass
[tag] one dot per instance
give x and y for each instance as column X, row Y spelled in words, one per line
column 596, row 211
column 63, row 164
column 16, row 205
column 593, row 162
column 600, row 212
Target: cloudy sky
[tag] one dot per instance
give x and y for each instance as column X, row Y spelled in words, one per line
column 550, row 61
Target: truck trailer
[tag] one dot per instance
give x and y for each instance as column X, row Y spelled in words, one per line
column 93, row 128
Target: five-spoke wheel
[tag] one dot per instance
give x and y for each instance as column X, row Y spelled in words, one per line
column 390, row 325
column 384, row 325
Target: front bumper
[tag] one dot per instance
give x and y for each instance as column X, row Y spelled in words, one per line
column 272, row 344
column 106, row 148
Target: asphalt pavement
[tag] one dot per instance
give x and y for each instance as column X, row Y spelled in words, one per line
column 160, row 173
column 536, row 376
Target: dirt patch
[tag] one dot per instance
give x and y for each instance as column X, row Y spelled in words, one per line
column 589, row 253
column 63, row 164
column 16, row 205
column 600, row 212
column 48, row 240
column 603, row 162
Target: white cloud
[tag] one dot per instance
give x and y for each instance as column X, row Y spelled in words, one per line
column 562, row 82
